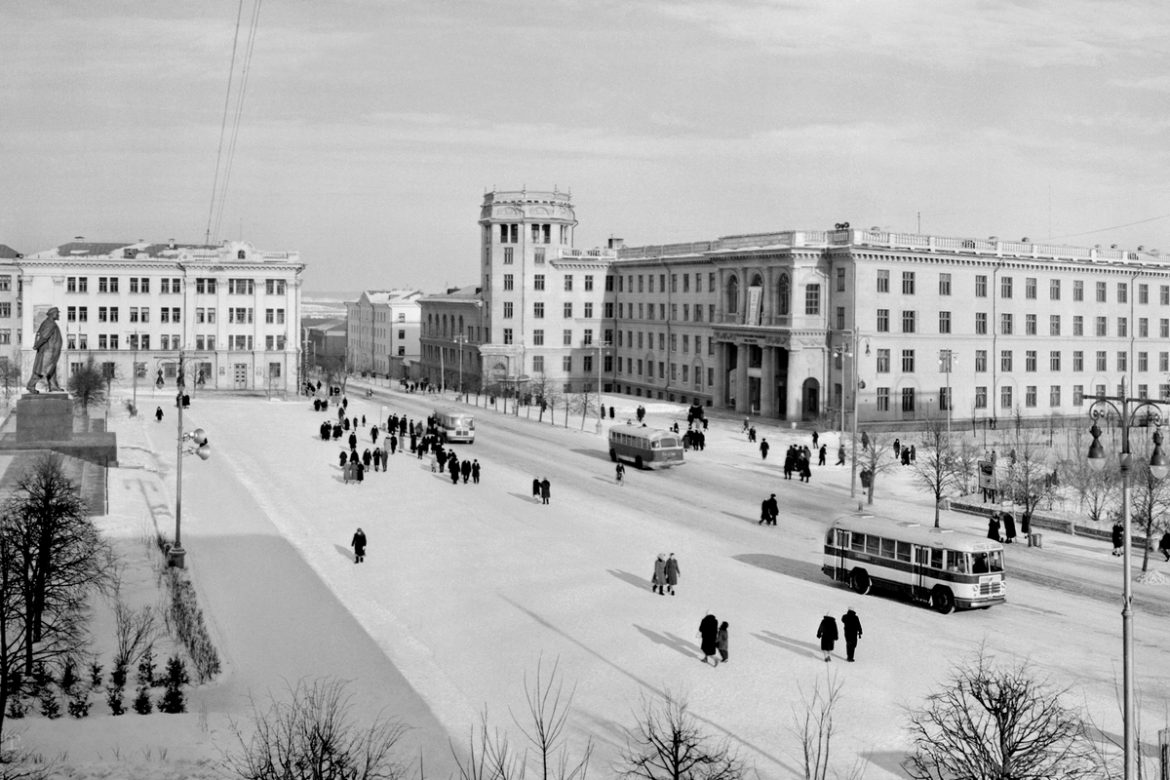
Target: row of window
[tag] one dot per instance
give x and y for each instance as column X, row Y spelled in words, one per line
column 1007, row 399
column 141, row 341
column 237, row 315
column 1007, row 287
column 1031, row 360
column 539, row 279
column 678, row 372
column 645, row 282
column 168, row 285
column 628, row 340
column 1007, row 324
column 538, row 310
column 538, row 233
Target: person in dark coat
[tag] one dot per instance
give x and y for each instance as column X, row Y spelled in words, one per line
column 672, row 573
column 1118, row 538
column 851, row 625
column 709, row 637
column 1164, row 545
column 993, row 528
column 374, row 434
column 342, row 459
column 841, row 454
column 822, row 453
column 1009, row 528
column 721, row 641
column 377, row 459
column 393, row 444
column 352, row 441
column 770, row 511
column 545, row 490
column 465, row 470
column 367, row 457
column 359, row 472
column 658, row 579
column 764, row 449
column 475, row 471
column 359, row 546
column 815, row 437
column 158, row 414
column 827, row 633
column 453, row 469
column 897, row 447
column 805, row 468
column 536, row 488
column 864, row 440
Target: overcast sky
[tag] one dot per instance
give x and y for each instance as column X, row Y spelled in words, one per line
column 370, row 130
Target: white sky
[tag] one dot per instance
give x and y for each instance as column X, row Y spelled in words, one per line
column 371, row 129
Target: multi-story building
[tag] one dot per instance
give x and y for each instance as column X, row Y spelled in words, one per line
column 383, row 331
column 543, row 301
column 453, row 333
column 792, row 324
column 10, row 312
column 231, row 312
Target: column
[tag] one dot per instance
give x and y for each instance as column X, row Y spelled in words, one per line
column 719, row 389
column 768, row 383
column 795, row 387
column 742, row 394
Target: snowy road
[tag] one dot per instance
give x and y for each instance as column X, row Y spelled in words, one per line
column 466, row 587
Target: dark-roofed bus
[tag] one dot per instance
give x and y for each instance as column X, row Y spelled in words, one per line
column 645, row 447
column 947, row 569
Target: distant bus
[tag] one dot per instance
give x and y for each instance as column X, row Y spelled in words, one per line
column 946, row 569
column 645, row 447
column 455, row 426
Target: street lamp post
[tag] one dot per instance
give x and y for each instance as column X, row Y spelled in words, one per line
column 459, row 343
column 857, row 386
column 1126, row 408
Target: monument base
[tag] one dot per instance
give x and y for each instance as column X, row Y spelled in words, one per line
column 44, row 417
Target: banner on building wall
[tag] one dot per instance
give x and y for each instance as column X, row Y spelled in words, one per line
column 755, row 299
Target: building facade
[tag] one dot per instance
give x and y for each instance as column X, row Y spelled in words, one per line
column 453, row 333
column 10, row 317
column 383, row 331
column 543, row 301
column 229, row 313
column 803, row 325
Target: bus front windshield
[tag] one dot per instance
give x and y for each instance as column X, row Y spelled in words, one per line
column 987, row 562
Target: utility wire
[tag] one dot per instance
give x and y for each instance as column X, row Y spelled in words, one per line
column 1113, row 227
column 239, row 112
column 223, row 125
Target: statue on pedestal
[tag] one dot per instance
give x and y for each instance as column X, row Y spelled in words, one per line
column 48, row 347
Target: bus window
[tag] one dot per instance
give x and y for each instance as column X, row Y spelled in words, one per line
column 995, row 560
column 936, row 558
column 903, row 551
column 980, row 565
column 842, row 538
column 922, row 556
column 888, row 547
column 956, row 561
column 873, row 544
column 858, row 542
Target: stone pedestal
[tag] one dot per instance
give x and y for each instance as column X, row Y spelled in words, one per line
column 44, row 417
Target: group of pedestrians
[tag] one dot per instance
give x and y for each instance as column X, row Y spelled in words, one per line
column 827, row 633
column 541, row 489
column 666, row 574
column 797, row 459
column 713, row 639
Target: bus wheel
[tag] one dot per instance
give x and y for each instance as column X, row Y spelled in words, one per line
column 638, row 463
column 613, row 455
column 942, row 601
column 859, row 581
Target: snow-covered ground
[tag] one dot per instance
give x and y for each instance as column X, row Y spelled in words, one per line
column 467, row 587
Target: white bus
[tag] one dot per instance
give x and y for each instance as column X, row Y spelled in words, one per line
column 455, row 426
column 645, row 447
column 947, row 569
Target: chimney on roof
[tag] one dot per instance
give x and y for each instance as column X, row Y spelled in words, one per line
column 615, row 242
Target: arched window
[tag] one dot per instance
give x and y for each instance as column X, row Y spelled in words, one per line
column 782, row 296
column 732, row 295
column 241, row 255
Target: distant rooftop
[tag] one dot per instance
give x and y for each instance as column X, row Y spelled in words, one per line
column 130, row 250
column 8, row 253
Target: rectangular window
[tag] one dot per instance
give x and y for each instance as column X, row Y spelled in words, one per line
column 980, row 286
column 1078, row 291
column 509, row 255
column 981, row 323
column 980, row 361
column 883, row 320
column 907, row 361
column 1005, row 287
column 1122, row 361
column 1005, row 360
column 981, row 397
column 1005, row 397
column 164, row 286
column 1029, row 324
column 567, row 364
column 1030, row 360
column 840, row 280
column 507, row 335
column 1102, row 360
column 1054, row 396
column 1143, row 327
column 1102, row 295
column 1123, row 292
column 907, row 282
column 1164, row 294
column 812, row 299
column 1078, row 325
column 509, row 283
column 538, row 255
column 1078, row 361
column 1054, row 360
column 1164, row 361
column 567, row 338
column 1053, row 324
column 883, row 281
column 103, row 286
column 1005, row 324
column 1030, row 396
column 568, row 310
column 588, row 314
column 883, row 399
column 538, row 337
column 907, row 400
column 538, row 282
column 1123, row 327
column 538, row 310
column 1054, row 290
column 944, row 284
column 1143, row 362
column 568, row 283
column 588, row 282
column 1143, row 294
column 1102, row 326
column 1030, row 288
column 507, row 310
column 883, row 361
column 908, row 318
column 1078, row 395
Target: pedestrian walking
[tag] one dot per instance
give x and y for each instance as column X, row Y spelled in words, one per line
column 822, row 453
column 709, row 637
column 475, row 471
column 360, row 472
column 897, row 447
column 815, row 437
column 771, row 510
column 658, row 579
column 158, row 414
column 621, row 472
column 827, row 633
column 465, row 470
column 536, row 489
column 864, row 440
column 1118, row 538
column 672, row 573
column 342, row 459
column 1164, row 545
column 993, row 528
column 764, row 449
column 841, row 454
column 374, row 434
column 367, row 457
column 377, row 458
column 851, row 625
column 1009, row 528
column 545, row 490
column 358, row 543
column 721, row 641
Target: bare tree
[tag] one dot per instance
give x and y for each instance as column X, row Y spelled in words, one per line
column 314, row 736
column 1149, row 499
column 1028, row 474
column 965, row 457
column 877, row 458
column 1095, row 490
column 548, row 710
column 814, row 729
column 50, row 557
column 667, row 744
column 998, row 722
column 88, row 385
column 489, row 754
column 135, row 631
column 932, row 466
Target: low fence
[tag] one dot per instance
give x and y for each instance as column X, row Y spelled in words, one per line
column 1042, row 519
